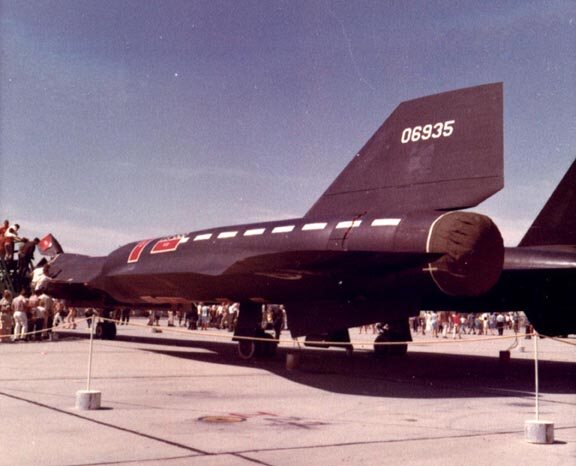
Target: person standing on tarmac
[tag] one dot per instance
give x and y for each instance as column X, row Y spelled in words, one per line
column 6, row 320
column 19, row 307
column 192, row 317
column 500, row 320
column 48, row 303
column 277, row 321
column 125, row 315
column 204, row 316
column 71, row 318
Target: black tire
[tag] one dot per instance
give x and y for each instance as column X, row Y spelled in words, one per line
column 381, row 350
column 388, row 350
column 105, row 330
column 398, row 350
column 266, row 349
column 246, row 349
column 98, row 331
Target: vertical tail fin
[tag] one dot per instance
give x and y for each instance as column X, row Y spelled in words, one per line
column 556, row 222
column 438, row 152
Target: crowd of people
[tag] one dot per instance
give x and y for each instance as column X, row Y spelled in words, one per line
column 202, row 316
column 20, row 260
column 26, row 312
column 444, row 324
column 448, row 324
column 31, row 316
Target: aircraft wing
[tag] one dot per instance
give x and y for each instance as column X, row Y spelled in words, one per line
column 540, row 258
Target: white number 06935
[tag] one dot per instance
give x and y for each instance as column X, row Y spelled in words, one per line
column 434, row 131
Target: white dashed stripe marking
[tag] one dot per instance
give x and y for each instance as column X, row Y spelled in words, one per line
column 255, row 232
column 348, row 224
column 378, row 222
column 283, row 229
column 385, row 222
column 227, row 234
column 314, row 226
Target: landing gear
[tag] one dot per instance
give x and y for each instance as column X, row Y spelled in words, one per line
column 392, row 332
column 252, row 340
column 105, row 330
column 248, row 348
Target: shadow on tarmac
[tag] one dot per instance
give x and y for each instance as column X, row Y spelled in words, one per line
column 416, row 375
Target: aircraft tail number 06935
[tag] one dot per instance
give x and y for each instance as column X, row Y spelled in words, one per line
column 434, row 131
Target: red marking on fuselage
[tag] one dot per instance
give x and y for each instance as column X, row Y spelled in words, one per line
column 168, row 245
column 137, row 250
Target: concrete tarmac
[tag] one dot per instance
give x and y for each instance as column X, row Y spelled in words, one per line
column 184, row 397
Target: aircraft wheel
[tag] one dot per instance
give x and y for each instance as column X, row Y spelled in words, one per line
column 388, row 350
column 246, row 349
column 264, row 348
column 105, row 330
column 381, row 350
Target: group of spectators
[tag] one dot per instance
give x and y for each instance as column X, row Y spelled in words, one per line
column 31, row 316
column 10, row 237
column 446, row 323
column 201, row 316
column 28, row 313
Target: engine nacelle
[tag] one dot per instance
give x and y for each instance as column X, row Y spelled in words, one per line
column 464, row 251
column 473, row 253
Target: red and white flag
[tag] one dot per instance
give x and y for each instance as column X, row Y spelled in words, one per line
column 49, row 246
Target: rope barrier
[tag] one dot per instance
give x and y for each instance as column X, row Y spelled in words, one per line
column 443, row 341
column 296, row 341
column 207, row 333
column 46, row 330
column 560, row 340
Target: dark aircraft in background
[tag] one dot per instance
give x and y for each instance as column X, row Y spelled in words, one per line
column 539, row 275
column 386, row 239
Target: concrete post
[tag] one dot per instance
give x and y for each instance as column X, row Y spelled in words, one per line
column 88, row 399
column 537, row 431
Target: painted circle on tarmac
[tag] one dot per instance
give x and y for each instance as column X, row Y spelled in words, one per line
column 222, row 419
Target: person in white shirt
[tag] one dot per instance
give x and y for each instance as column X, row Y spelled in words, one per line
column 6, row 316
column 10, row 238
column 20, row 306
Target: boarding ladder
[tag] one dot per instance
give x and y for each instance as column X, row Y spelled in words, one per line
column 6, row 282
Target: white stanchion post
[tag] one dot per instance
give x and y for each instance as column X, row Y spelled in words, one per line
column 89, row 399
column 90, row 355
column 293, row 356
column 536, row 378
column 537, row 431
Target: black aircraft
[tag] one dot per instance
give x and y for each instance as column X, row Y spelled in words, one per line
column 386, row 239
column 539, row 275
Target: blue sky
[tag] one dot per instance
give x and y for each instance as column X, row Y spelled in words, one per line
column 128, row 119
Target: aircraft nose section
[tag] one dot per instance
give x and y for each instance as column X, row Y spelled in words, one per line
column 473, row 253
